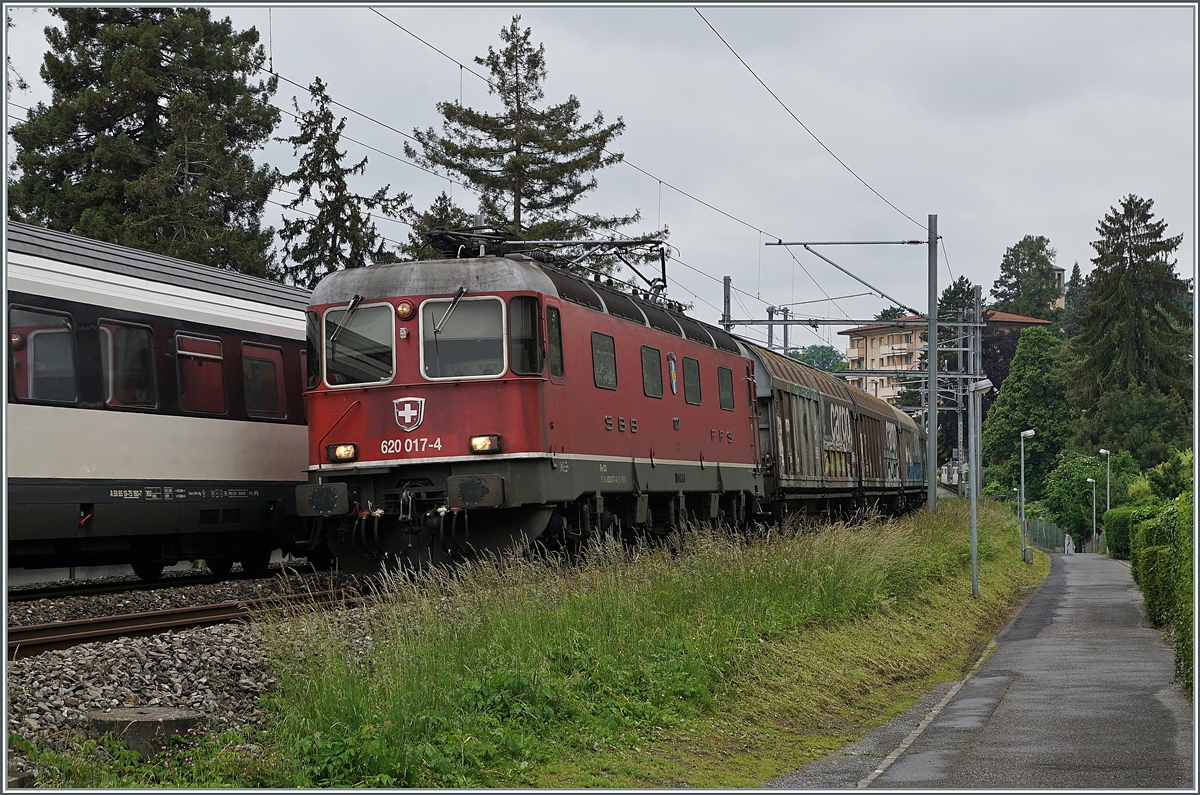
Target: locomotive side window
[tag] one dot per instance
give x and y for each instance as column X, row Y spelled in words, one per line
column 554, row 332
column 127, row 363
column 725, row 387
column 359, row 345
column 604, row 360
column 652, row 381
column 462, row 338
column 262, row 381
column 309, row 357
column 42, row 347
column 524, row 336
column 201, row 374
column 691, row 380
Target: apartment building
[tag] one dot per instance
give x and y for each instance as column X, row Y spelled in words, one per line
column 884, row 346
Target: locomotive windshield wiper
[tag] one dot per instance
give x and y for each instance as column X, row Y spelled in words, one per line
column 457, row 297
column 350, row 310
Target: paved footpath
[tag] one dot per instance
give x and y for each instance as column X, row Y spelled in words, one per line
column 1076, row 692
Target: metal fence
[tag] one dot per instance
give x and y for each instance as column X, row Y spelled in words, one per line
column 1045, row 535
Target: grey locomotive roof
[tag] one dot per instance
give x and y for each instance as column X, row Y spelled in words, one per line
column 62, row 247
column 432, row 277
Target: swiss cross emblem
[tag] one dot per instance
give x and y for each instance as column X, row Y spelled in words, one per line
column 409, row 412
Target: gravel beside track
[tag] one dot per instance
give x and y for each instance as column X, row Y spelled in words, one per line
column 218, row 671
column 72, row 608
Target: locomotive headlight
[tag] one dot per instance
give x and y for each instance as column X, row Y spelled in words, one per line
column 404, row 310
column 341, row 453
column 485, row 444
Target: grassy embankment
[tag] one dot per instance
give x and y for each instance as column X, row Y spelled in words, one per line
column 724, row 663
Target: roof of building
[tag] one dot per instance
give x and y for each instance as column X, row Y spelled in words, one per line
column 993, row 316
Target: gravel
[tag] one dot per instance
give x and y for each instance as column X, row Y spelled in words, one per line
column 217, row 671
column 72, row 608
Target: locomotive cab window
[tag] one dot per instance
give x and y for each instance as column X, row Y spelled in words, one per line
column 359, row 344
column 691, row 380
column 652, row 380
column 524, row 336
column 127, row 365
column 604, row 360
column 42, row 351
column 262, row 381
column 201, row 370
column 462, row 338
column 554, row 341
column 725, row 387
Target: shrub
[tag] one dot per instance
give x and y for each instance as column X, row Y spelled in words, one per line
column 1147, row 532
column 1158, row 584
column 1117, row 526
column 1183, row 590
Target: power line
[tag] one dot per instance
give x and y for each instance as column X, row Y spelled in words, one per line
column 803, row 125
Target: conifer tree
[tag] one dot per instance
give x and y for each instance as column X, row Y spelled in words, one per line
column 341, row 233
column 532, row 166
column 147, row 139
column 442, row 214
column 1027, row 284
column 1074, row 302
column 1136, row 327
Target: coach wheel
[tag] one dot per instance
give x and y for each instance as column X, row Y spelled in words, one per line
column 147, row 569
column 219, row 566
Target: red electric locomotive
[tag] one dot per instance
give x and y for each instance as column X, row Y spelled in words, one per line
column 482, row 403
column 485, row 402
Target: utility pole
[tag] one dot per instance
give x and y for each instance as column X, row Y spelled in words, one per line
column 725, row 317
column 771, row 328
column 932, row 364
column 785, row 330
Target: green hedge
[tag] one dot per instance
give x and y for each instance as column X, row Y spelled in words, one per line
column 1160, row 554
column 1118, row 530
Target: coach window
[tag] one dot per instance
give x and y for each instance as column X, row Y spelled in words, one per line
column 462, row 338
column 554, row 332
column 127, row 361
column 262, row 381
column 652, row 371
column 691, row 380
column 524, row 336
column 42, row 348
column 309, row 359
column 725, row 387
column 604, row 360
column 201, row 370
column 359, row 343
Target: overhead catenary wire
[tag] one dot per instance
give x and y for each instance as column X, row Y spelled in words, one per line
column 464, row 68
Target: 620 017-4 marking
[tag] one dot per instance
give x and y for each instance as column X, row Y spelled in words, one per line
column 410, row 445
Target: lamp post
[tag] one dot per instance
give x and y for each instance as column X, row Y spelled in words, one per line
column 1093, row 482
column 1024, row 435
column 1107, row 480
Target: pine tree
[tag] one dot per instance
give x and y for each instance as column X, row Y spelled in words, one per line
column 1033, row 396
column 1027, row 284
column 443, row 214
column 531, row 166
column 1135, row 328
column 1074, row 302
column 891, row 313
column 147, row 139
column 12, row 78
column 341, row 233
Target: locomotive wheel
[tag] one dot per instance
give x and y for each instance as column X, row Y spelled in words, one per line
column 220, row 566
column 148, row 570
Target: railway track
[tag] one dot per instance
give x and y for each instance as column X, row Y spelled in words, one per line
column 38, row 638
column 99, row 589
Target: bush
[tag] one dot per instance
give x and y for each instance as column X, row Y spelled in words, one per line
column 1117, row 526
column 1148, row 532
column 1158, row 584
column 1183, row 590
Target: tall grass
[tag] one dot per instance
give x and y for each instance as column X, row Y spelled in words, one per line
column 472, row 676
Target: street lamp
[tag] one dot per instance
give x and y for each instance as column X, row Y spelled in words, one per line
column 1024, row 435
column 1107, row 480
column 1093, row 482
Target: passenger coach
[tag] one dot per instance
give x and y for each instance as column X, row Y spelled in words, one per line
column 155, row 409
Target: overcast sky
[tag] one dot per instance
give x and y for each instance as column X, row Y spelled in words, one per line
column 1004, row 122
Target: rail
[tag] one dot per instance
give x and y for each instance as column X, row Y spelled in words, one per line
column 35, row 639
